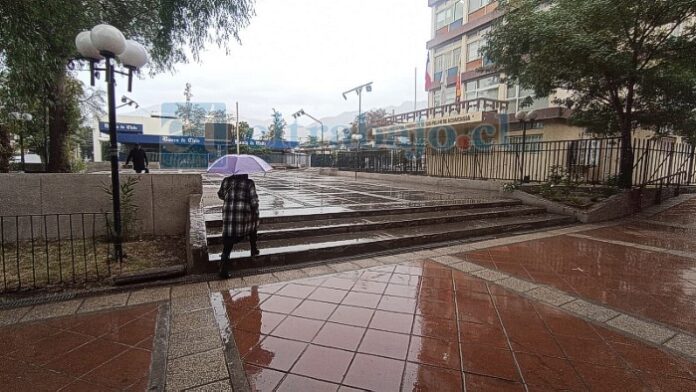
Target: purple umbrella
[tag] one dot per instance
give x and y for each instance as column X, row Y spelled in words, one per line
column 239, row 164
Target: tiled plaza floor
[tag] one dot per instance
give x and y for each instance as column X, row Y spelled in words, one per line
column 585, row 308
column 103, row 351
column 425, row 326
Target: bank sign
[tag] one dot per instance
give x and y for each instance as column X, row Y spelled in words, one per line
column 185, row 140
column 122, row 128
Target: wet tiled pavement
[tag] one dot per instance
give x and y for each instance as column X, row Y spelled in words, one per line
column 305, row 192
column 597, row 307
column 425, row 326
column 92, row 352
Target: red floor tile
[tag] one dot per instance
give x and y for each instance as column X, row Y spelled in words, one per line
column 603, row 378
column 396, row 290
column 295, row 291
column 323, row 363
column 275, row 353
column 486, row 334
column 428, row 378
column 478, row 383
column 429, row 351
column 489, row 361
column 427, row 308
column 246, row 340
column 262, row 379
column 340, row 336
column 87, row 358
column 588, row 350
column 46, row 350
column 549, row 372
column 328, row 295
column 18, row 376
column 314, row 310
column 123, row 371
column 434, row 327
column 376, row 276
column 293, row 383
column 386, row 344
column 351, row 315
column 338, row 283
column 374, row 373
column 280, row 304
column 364, row 286
column 364, row 300
column 397, row 304
column 392, row 322
column 298, row 329
column 259, row 322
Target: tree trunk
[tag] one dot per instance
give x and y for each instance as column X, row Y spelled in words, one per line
column 59, row 156
column 627, row 158
column 5, row 149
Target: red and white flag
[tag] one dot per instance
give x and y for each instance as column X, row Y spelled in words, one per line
column 428, row 77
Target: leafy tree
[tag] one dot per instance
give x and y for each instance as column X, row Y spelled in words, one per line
column 192, row 115
column 37, row 44
column 627, row 63
column 277, row 129
column 311, row 141
column 246, row 132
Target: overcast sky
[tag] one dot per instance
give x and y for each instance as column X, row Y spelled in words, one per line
column 304, row 54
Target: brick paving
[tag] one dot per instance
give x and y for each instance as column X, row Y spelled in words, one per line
column 516, row 313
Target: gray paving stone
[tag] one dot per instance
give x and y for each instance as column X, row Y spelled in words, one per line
column 219, row 386
column 193, row 341
column 393, row 259
column 590, row 310
column 550, row 296
column 447, row 260
column 292, row 274
column 684, row 344
column 58, row 309
column 648, row 331
column 189, row 290
column 367, row 263
column 155, row 294
column 444, row 251
column 318, row 270
column 104, row 302
column 343, row 267
column 518, row 285
column 189, row 304
column 424, row 254
column 197, row 319
column 258, row 280
column 12, row 316
column 490, row 275
column 467, row 267
column 225, row 284
column 195, row 370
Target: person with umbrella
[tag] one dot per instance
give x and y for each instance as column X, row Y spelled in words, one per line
column 240, row 210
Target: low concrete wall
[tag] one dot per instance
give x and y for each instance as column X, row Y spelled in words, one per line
column 618, row 206
column 486, row 185
column 162, row 199
column 196, row 242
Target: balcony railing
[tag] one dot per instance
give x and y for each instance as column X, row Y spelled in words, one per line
column 462, row 107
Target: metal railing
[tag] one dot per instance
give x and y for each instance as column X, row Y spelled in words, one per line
column 463, row 107
column 39, row 251
column 585, row 161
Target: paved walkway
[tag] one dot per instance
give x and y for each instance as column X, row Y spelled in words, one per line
column 544, row 311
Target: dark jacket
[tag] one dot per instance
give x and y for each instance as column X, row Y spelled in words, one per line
column 240, row 210
column 139, row 158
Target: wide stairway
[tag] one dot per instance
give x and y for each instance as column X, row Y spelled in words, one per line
column 314, row 236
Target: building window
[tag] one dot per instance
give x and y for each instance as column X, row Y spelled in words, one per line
column 521, row 99
column 459, row 10
column 444, row 18
column 476, row 4
column 487, row 87
column 448, row 58
column 532, row 142
column 476, row 41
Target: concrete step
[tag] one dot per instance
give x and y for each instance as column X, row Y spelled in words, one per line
column 213, row 216
column 375, row 221
column 326, row 247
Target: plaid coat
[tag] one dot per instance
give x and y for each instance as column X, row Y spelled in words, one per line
column 240, row 210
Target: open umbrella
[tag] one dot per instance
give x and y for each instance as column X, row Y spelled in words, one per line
column 239, row 164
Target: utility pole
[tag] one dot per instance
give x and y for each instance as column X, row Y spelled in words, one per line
column 236, row 126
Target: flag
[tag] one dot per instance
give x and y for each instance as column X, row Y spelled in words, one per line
column 428, row 78
column 443, row 87
column 458, row 93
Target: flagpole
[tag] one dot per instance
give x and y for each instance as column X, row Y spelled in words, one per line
column 415, row 89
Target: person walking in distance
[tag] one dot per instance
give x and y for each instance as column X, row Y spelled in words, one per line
column 240, row 216
column 139, row 158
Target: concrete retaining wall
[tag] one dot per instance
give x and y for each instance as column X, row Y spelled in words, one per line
column 196, row 243
column 163, row 199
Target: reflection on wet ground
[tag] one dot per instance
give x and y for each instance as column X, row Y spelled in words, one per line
column 282, row 193
column 424, row 326
column 93, row 352
column 684, row 214
column 658, row 286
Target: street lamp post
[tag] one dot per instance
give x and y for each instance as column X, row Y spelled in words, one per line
column 301, row 113
column 105, row 42
column 358, row 90
column 525, row 118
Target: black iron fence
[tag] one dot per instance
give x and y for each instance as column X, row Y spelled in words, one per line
column 586, row 161
column 39, row 251
column 374, row 161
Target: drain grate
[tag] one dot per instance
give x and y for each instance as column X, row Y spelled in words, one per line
column 16, row 303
